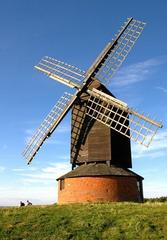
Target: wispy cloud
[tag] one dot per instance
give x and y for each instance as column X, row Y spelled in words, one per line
column 50, row 173
column 62, row 158
column 164, row 90
column 30, row 168
column 29, row 131
column 54, row 141
column 155, row 188
column 2, row 169
column 60, row 130
column 4, row 146
column 18, row 170
column 156, row 149
column 136, row 72
column 28, row 134
column 39, row 185
column 63, row 129
column 37, row 194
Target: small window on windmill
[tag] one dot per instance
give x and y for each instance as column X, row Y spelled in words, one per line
column 62, row 184
column 138, row 185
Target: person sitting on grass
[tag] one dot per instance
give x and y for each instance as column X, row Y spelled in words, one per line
column 28, row 203
column 22, row 204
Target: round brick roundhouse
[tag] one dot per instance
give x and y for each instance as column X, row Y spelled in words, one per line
column 99, row 183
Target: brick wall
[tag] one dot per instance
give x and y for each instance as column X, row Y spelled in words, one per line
column 98, row 189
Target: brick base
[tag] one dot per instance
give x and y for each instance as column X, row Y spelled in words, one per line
column 98, row 189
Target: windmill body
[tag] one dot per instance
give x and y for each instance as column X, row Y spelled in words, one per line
column 92, row 141
column 100, row 158
column 101, row 126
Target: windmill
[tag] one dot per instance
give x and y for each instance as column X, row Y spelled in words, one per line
column 101, row 126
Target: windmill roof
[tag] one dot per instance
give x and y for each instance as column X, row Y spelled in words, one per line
column 100, row 169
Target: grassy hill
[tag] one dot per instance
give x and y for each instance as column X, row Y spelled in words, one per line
column 85, row 222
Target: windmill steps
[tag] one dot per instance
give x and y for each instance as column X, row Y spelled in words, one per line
column 99, row 183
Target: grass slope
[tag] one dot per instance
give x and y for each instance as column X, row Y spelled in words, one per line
column 85, row 222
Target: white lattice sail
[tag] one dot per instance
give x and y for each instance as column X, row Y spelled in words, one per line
column 114, row 54
column 118, row 116
column 48, row 125
column 100, row 106
column 60, row 71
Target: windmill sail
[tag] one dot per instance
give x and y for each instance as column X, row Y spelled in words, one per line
column 48, row 125
column 100, row 106
column 114, row 54
column 118, row 116
column 60, row 71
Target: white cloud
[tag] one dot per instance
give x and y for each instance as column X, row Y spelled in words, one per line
column 18, row 170
column 2, row 169
column 37, row 185
column 29, row 131
column 53, row 141
column 58, row 168
column 135, row 73
column 4, row 146
column 164, row 90
column 30, row 168
column 146, row 153
column 46, row 174
column 39, row 176
column 36, row 194
column 63, row 129
column 154, row 189
column 156, row 149
column 63, row 158
column 155, row 181
column 150, row 171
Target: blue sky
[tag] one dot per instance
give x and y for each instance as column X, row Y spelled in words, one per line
column 74, row 32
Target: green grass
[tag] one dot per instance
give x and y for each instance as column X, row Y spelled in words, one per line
column 85, row 222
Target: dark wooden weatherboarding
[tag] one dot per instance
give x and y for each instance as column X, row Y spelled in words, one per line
column 101, row 126
column 92, row 141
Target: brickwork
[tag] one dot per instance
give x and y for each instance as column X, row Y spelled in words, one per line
column 98, row 189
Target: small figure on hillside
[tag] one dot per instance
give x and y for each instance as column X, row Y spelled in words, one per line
column 22, row 204
column 28, row 203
